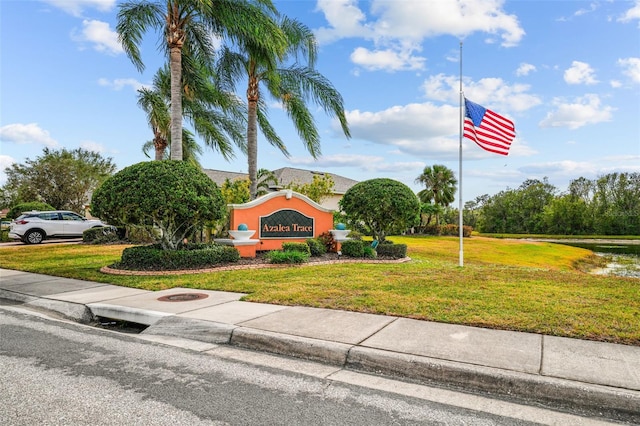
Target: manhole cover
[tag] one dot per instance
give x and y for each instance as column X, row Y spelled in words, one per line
column 183, row 297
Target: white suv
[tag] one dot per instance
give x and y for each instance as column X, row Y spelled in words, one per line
column 33, row 227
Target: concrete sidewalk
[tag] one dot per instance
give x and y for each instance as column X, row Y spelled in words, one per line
column 594, row 377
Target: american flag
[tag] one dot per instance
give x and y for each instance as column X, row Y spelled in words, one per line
column 491, row 131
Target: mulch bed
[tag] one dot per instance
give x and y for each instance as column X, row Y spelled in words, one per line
column 259, row 262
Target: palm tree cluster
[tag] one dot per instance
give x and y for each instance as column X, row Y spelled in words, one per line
column 276, row 55
column 440, row 189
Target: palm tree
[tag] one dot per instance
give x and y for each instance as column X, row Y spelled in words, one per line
column 216, row 116
column 266, row 178
column 187, row 25
column 440, row 184
column 292, row 85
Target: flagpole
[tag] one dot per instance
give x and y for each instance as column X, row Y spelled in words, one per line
column 460, row 224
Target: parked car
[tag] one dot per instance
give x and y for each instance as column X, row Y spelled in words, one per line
column 36, row 226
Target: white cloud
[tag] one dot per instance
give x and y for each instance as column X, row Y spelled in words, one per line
column 92, row 146
column 580, row 73
column 76, row 7
column 396, row 28
column 99, row 35
column 631, row 68
column 589, row 169
column 566, row 168
column 5, row 161
column 387, row 59
column 525, row 69
column 26, row 133
column 369, row 163
column 632, row 14
column 121, row 83
column 582, row 111
column 493, row 93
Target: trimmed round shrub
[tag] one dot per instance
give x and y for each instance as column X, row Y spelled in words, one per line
column 352, row 248
column 396, row 251
column 383, row 205
column 194, row 256
column 173, row 196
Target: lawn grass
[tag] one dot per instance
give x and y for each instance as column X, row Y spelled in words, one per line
column 505, row 284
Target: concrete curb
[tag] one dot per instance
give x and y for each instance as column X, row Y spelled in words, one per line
column 333, row 353
column 619, row 404
column 193, row 329
column 72, row 311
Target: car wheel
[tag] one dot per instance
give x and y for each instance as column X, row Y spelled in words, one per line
column 34, row 237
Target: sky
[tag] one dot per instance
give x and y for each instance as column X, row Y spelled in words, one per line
column 566, row 72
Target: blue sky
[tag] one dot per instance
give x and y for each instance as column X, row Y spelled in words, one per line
column 566, row 72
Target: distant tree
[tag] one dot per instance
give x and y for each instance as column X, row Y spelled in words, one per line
column 266, row 179
column 566, row 215
column 616, row 204
column 236, row 191
column 19, row 208
column 174, row 196
column 518, row 211
column 318, row 190
column 440, row 186
column 62, row 178
column 382, row 205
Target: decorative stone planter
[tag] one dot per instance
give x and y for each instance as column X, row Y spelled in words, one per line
column 241, row 235
column 242, row 241
column 340, row 234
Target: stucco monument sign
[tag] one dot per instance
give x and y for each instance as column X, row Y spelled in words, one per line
column 275, row 218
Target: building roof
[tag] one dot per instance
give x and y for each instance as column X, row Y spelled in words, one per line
column 285, row 176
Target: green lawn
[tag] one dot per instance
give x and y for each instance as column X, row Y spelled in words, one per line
column 505, row 284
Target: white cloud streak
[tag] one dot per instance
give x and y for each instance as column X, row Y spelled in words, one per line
column 27, row 133
column 578, row 113
column 77, row 7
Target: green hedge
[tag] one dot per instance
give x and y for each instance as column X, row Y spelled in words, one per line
column 396, row 251
column 352, row 248
column 192, row 256
column 100, row 235
column 281, row 257
column 301, row 247
column 316, row 247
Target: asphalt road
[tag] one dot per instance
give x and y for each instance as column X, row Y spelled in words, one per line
column 59, row 373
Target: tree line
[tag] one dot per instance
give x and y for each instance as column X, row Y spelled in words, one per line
column 607, row 205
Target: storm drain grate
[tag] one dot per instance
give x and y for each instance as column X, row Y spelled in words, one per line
column 183, row 297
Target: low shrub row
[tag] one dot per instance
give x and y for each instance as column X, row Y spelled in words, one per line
column 357, row 248
column 192, row 256
column 449, row 229
column 289, row 256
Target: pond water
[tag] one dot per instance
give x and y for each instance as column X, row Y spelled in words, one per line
column 622, row 259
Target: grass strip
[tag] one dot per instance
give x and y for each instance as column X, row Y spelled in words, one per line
column 511, row 285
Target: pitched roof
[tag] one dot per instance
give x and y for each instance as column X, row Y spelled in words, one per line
column 285, row 176
column 219, row 176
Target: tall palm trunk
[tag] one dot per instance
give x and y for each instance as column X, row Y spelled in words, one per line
column 175, row 65
column 252, row 135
